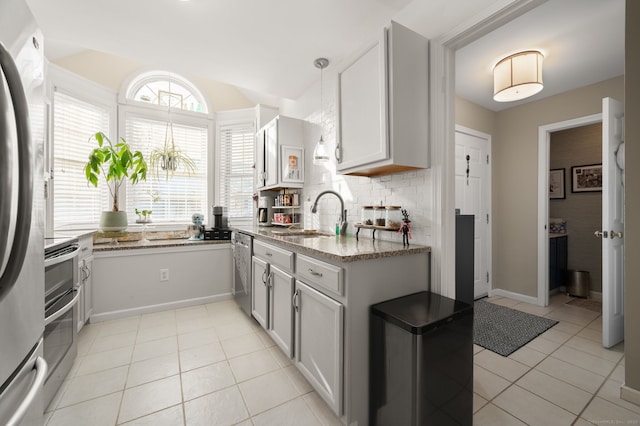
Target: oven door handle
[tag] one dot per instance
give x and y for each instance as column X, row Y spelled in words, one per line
column 51, row 318
column 63, row 258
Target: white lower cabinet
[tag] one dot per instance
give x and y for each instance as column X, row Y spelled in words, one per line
column 281, row 312
column 260, row 292
column 319, row 338
column 271, row 296
column 316, row 310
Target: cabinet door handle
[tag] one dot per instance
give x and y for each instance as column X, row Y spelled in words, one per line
column 264, row 277
column 317, row 274
column 337, row 153
column 270, row 279
column 294, row 300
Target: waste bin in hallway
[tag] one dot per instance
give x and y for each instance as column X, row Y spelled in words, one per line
column 578, row 283
column 421, row 361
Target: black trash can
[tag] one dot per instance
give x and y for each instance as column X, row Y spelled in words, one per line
column 421, row 361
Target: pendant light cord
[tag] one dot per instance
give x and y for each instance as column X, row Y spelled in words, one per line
column 321, row 103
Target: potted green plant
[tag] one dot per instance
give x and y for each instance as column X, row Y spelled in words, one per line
column 170, row 158
column 116, row 163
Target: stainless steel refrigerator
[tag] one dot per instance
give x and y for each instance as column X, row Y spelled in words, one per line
column 22, row 367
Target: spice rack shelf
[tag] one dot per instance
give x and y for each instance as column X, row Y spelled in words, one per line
column 375, row 228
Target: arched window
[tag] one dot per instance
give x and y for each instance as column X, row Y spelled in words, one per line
column 166, row 89
column 165, row 116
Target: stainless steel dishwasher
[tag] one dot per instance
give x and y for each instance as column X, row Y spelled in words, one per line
column 242, row 251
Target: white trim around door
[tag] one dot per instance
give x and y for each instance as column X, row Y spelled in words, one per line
column 544, row 139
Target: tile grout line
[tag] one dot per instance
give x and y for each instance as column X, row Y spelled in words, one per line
column 595, row 394
column 532, row 368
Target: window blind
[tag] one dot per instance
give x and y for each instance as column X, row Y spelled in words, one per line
column 237, row 142
column 76, row 201
column 174, row 199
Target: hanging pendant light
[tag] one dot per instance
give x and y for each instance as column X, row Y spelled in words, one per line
column 321, row 152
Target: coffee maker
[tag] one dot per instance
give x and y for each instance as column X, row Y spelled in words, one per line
column 220, row 230
column 265, row 211
column 220, row 220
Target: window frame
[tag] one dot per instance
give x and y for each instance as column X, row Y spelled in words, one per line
column 70, row 84
column 229, row 118
column 132, row 83
column 142, row 110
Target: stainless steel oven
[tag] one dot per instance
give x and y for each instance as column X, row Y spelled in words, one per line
column 61, row 293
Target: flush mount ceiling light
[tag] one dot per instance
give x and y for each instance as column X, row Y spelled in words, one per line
column 321, row 152
column 517, row 76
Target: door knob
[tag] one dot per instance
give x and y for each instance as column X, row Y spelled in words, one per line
column 601, row 234
column 614, row 234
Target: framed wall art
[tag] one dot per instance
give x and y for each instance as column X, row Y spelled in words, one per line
column 586, row 178
column 292, row 164
column 556, row 184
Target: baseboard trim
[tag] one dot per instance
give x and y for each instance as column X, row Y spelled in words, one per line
column 106, row 316
column 512, row 295
column 629, row 394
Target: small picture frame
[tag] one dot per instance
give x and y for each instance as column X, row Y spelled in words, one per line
column 556, row 184
column 587, row 178
column 292, row 164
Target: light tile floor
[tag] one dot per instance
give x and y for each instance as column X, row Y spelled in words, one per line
column 210, row 364
column 563, row 377
column 204, row 365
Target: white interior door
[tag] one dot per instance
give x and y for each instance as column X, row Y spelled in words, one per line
column 473, row 196
column 612, row 222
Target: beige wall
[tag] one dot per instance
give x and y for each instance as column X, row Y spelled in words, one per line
column 474, row 116
column 111, row 71
column 515, row 171
column 582, row 210
column 632, row 198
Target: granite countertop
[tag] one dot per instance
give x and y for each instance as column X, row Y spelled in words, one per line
column 74, row 233
column 338, row 248
column 174, row 242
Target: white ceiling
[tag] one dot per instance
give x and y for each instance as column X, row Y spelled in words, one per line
column 268, row 47
column 582, row 41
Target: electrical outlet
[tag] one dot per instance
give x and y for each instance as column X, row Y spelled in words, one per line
column 164, row 275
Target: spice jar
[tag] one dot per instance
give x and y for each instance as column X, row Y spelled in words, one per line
column 367, row 215
column 379, row 215
column 393, row 217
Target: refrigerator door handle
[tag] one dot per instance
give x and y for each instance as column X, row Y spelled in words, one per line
column 41, row 374
column 25, row 176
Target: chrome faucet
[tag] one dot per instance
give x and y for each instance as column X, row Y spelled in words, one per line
column 343, row 212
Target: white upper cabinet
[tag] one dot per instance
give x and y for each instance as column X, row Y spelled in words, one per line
column 275, row 141
column 383, row 106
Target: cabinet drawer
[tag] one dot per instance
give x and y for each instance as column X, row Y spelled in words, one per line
column 323, row 274
column 273, row 255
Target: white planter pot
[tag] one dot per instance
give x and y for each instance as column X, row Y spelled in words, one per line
column 113, row 221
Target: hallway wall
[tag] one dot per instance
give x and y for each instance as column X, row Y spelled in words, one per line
column 515, row 184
